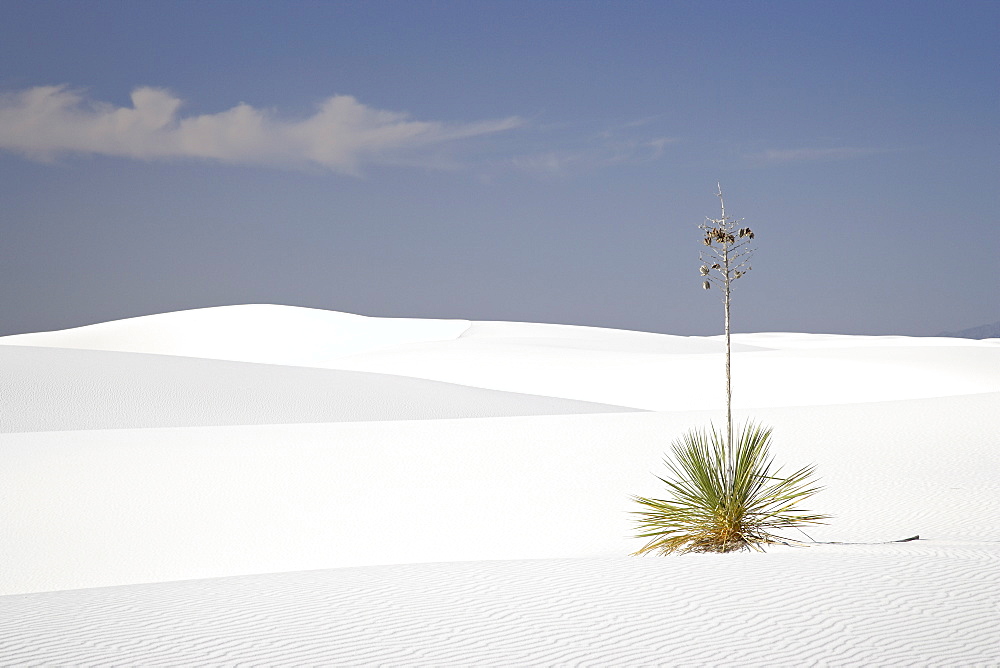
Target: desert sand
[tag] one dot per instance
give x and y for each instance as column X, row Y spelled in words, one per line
column 272, row 485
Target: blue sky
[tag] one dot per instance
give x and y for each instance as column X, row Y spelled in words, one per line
column 532, row 161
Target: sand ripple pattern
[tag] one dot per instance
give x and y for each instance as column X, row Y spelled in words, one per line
column 923, row 603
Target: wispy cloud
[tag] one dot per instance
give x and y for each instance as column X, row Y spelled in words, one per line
column 610, row 147
column 782, row 156
column 343, row 135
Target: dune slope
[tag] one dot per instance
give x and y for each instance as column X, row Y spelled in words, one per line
column 60, row 389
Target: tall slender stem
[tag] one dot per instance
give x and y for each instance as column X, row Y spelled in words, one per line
column 727, row 279
column 726, row 260
column 729, row 375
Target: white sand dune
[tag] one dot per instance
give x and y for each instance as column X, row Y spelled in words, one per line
column 613, row 367
column 262, row 333
column 384, row 534
column 660, row 372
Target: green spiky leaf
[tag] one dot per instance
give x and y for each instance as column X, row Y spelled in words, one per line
column 723, row 500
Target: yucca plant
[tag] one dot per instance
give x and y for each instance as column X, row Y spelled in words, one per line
column 725, row 495
column 722, row 502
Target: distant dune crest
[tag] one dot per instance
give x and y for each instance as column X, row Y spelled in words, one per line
column 261, row 333
column 531, row 368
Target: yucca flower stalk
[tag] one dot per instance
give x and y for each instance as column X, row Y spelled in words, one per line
column 723, row 503
column 726, row 259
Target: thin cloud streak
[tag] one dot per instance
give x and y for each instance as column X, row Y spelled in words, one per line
column 605, row 149
column 343, row 135
column 783, row 156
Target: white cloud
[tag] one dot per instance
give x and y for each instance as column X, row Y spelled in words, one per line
column 781, row 156
column 342, row 135
column 606, row 148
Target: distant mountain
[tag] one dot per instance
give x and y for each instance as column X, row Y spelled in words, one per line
column 991, row 331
